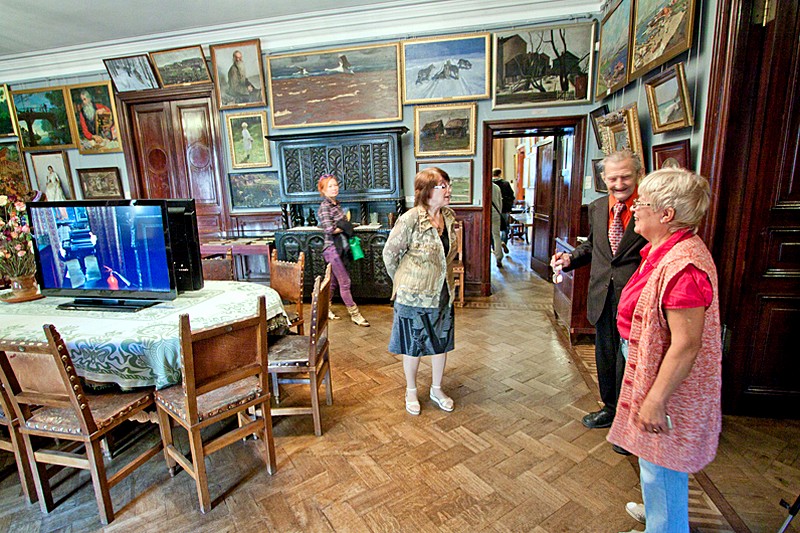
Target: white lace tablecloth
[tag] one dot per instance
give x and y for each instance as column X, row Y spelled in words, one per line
column 136, row 349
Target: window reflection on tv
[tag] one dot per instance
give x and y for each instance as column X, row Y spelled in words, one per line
column 102, row 248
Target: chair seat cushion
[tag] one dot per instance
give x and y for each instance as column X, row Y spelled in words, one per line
column 212, row 403
column 106, row 408
column 292, row 350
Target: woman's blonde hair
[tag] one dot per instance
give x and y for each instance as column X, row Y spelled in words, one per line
column 424, row 182
column 689, row 194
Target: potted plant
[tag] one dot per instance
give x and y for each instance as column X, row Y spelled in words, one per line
column 16, row 250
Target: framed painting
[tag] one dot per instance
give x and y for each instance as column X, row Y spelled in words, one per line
column 181, row 66
column 246, row 138
column 543, row 66
column 354, row 85
column 7, row 126
column 668, row 100
column 13, row 173
column 100, row 183
column 593, row 116
column 662, row 29
column 676, row 154
column 619, row 130
column 447, row 129
column 131, row 73
column 254, row 190
column 450, row 68
column 93, row 113
column 42, row 117
column 597, row 172
column 612, row 59
column 238, row 78
column 460, row 172
column 53, row 176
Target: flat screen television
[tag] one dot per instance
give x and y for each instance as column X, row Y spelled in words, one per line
column 113, row 255
column 185, row 241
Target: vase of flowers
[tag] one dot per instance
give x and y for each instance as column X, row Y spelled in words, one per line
column 16, row 250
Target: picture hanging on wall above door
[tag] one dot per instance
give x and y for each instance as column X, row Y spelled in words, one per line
column 238, row 81
column 612, row 59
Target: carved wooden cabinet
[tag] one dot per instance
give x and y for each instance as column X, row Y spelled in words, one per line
column 370, row 281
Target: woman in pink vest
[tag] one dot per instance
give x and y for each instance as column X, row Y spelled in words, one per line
column 668, row 412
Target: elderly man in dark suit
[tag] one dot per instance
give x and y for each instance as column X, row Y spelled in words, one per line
column 612, row 249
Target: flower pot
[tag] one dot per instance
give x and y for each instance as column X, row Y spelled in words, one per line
column 23, row 289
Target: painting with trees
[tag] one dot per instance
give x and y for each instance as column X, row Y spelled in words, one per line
column 543, row 66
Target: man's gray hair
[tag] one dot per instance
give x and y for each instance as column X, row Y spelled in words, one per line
column 619, row 157
column 87, row 94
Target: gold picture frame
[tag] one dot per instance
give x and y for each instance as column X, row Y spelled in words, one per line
column 613, row 54
column 248, row 91
column 99, row 134
column 34, row 107
column 668, row 100
column 662, row 29
column 181, row 66
column 240, row 127
column 53, row 176
column 447, row 129
column 619, row 130
column 8, row 127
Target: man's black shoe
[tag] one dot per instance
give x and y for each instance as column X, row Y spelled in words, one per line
column 599, row 419
column 620, row 450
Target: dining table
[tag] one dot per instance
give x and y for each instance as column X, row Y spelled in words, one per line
column 137, row 349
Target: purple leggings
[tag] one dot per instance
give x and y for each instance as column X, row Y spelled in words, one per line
column 340, row 277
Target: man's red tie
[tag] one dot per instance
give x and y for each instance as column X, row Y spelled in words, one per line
column 617, row 229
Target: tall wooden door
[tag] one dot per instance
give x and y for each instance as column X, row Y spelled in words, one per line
column 758, row 238
column 544, row 198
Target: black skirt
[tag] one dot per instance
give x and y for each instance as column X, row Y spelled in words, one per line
column 418, row 331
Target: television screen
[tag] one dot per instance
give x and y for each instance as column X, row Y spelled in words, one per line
column 103, row 249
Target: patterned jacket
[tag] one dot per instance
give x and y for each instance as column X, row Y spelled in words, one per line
column 694, row 406
column 415, row 259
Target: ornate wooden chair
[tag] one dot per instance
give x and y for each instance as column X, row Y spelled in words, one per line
column 16, row 445
column 224, row 374
column 49, row 401
column 301, row 359
column 458, row 264
column 287, row 279
column 219, row 267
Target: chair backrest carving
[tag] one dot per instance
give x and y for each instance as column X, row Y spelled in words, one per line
column 286, row 277
column 459, row 230
column 218, row 267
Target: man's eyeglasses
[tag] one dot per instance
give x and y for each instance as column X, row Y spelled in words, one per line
column 443, row 186
column 639, row 203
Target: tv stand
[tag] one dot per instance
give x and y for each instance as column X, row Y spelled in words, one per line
column 108, row 304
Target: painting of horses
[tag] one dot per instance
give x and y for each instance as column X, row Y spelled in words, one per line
column 448, row 68
column 43, row 118
column 355, row 85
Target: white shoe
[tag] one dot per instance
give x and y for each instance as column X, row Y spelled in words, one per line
column 636, row 510
column 412, row 406
column 332, row 315
column 445, row 403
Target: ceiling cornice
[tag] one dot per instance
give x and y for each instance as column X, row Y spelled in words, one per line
column 386, row 21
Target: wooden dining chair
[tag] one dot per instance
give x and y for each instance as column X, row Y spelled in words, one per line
column 298, row 359
column 218, row 267
column 49, row 401
column 458, row 264
column 224, row 374
column 15, row 444
column 286, row 278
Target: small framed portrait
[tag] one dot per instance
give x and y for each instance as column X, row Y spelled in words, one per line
column 668, row 100
column 444, row 130
column 676, row 154
column 447, row 68
column 13, row 171
column 249, row 147
column 612, row 59
column 100, row 183
column 181, row 66
column 597, row 172
column 619, row 130
column 131, row 73
column 7, row 126
column 42, row 117
column 53, row 176
column 254, row 190
column 593, row 116
column 460, row 172
column 93, row 113
column 238, row 78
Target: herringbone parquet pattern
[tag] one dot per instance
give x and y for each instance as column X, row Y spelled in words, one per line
column 513, row 456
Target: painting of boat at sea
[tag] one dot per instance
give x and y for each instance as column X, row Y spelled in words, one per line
column 612, row 59
column 344, row 86
column 543, row 66
column 437, row 69
column 662, row 29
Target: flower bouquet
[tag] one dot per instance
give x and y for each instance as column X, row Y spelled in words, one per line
column 16, row 250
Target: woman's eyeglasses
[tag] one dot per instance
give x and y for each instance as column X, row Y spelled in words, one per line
column 639, row 203
column 443, row 186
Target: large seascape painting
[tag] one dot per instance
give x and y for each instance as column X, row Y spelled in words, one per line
column 344, row 86
column 662, row 29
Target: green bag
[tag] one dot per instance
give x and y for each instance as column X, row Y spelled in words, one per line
column 355, row 248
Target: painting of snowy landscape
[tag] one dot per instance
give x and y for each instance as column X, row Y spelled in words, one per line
column 446, row 68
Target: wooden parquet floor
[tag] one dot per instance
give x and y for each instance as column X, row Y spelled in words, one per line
column 513, row 456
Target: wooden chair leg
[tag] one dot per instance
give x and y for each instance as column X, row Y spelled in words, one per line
column 100, row 481
column 40, row 479
column 23, row 466
column 313, row 384
column 300, row 329
column 328, row 387
column 165, row 428
column 276, row 388
column 200, row 476
column 269, row 441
